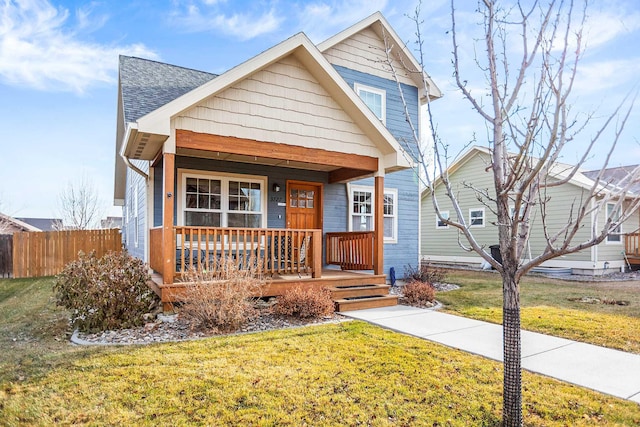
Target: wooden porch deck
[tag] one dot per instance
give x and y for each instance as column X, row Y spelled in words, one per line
column 350, row 290
column 632, row 248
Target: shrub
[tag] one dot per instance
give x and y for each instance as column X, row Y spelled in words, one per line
column 105, row 293
column 220, row 300
column 424, row 273
column 419, row 293
column 305, row 303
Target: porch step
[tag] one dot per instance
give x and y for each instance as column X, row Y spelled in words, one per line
column 362, row 303
column 344, row 292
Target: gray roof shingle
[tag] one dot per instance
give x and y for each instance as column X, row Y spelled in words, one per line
column 615, row 176
column 148, row 85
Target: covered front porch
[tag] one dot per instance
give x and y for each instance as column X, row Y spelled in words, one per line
column 302, row 253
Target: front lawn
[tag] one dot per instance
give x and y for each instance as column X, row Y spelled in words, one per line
column 583, row 311
column 332, row 375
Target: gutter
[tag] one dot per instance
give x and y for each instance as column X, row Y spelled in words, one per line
column 127, row 161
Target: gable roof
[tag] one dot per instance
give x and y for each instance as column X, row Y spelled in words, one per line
column 42, row 224
column 146, row 85
column 165, row 91
column 17, row 224
column 559, row 170
column 617, row 176
column 156, row 124
column 379, row 24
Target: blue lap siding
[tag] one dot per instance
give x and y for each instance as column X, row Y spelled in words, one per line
column 406, row 250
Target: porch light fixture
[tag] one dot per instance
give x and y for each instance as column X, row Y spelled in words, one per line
column 276, row 188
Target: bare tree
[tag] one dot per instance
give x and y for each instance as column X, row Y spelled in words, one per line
column 79, row 206
column 531, row 54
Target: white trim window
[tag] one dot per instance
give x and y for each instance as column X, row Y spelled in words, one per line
column 136, row 222
column 512, row 212
column 376, row 100
column 222, row 200
column 440, row 223
column 476, row 217
column 390, row 211
column 362, row 208
column 615, row 237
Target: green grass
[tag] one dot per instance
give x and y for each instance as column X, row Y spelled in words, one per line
column 552, row 307
column 331, row 375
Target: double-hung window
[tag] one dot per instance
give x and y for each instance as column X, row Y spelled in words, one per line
column 362, row 208
column 476, row 217
column 211, row 200
column 614, row 213
column 376, row 100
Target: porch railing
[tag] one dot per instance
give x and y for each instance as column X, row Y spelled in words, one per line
column 270, row 251
column 632, row 244
column 350, row 250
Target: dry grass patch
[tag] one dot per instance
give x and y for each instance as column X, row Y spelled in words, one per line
column 332, row 375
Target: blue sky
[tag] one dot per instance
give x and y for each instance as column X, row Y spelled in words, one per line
column 58, row 73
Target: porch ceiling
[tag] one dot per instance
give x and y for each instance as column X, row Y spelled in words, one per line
column 257, row 160
column 341, row 167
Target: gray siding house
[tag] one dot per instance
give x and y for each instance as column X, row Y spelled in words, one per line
column 297, row 157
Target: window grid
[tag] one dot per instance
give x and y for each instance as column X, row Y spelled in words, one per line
column 223, row 202
column 362, row 211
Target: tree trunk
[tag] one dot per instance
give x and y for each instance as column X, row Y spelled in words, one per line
column 512, row 392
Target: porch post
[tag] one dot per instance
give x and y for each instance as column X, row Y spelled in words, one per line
column 168, row 237
column 316, row 251
column 378, row 230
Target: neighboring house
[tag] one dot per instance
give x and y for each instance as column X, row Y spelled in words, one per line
column 296, row 155
column 9, row 225
column 440, row 243
column 43, row 224
column 111, row 222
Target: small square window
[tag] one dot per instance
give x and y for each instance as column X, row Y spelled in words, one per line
column 440, row 222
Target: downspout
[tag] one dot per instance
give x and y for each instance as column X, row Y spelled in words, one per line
column 125, row 159
column 134, row 167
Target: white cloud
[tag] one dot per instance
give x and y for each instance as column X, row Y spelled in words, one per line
column 208, row 16
column 88, row 20
column 606, row 25
column 323, row 19
column 603, row 75
column 41, row 50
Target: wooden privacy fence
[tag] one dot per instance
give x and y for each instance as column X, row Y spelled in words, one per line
column 45, row 253
column 6, row 255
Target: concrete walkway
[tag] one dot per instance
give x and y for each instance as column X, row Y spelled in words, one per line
column 608, row 371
